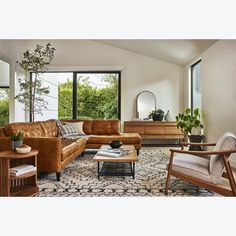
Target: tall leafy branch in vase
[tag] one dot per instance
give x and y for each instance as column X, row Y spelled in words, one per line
column 32, row 91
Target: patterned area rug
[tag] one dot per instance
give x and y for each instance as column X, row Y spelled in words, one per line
column 79, row 179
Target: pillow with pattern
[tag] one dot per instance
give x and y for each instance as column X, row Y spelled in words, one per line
column 67, row 131
column 78, row 126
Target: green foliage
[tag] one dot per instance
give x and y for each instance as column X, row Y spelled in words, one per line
column 17, row 137
column 4, row 112
column 32, row 92
column 156, row 112
column 186, row 122
column 4, row 107
column 38, row 60
column 65, row 100
column 92, row 102
column 156, row 115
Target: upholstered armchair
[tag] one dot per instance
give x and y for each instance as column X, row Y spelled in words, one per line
column 205, row 168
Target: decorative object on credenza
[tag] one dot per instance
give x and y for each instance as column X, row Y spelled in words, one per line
column 167, row 116
column 33, row 91
column 23, row 149
column 156, row 115
column 190, row 124
column 17, row 140
column 145, row 102
column 115, row 143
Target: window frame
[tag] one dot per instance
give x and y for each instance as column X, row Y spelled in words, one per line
column 74, row 92
column 7, row 87
column 191, row 83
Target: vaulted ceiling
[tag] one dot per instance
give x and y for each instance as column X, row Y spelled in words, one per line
column 178, row 52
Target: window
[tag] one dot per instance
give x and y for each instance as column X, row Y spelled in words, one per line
column 97, row 95
column 196, row 88
column 81, row 95
column 4, row 92
column 59, row 99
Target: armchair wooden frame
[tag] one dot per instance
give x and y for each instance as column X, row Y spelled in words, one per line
column 217, row 188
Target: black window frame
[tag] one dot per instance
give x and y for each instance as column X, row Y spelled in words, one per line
column 74, row 92
column 191, row 81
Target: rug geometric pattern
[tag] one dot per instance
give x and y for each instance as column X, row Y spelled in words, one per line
column 79, row 179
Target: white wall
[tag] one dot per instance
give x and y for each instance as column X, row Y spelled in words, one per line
column 218, row 85
column 218, row 89
column 139, row 73
column 9, row 53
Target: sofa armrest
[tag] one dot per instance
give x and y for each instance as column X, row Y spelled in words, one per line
column 5, row 144
column 49, row 157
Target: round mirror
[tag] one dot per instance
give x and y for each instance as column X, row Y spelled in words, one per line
column 145, row 102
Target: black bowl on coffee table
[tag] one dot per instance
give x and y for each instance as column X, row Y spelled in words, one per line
column 115, row 143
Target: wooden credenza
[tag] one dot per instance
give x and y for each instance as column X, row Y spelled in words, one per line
column 150, row 130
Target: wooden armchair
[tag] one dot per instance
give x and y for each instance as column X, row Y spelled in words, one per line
column 205, row 168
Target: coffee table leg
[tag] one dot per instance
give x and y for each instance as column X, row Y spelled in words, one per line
column 133, row 169
column 98, row 169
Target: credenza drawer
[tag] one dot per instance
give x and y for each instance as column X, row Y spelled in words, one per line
column 172, row 130
column 154, row 129
column 134, row 129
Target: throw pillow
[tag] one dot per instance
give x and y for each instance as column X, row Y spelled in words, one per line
column 66, row 130
column 78, row 126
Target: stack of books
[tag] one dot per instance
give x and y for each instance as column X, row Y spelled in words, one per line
column 110, row 152
column 21, row 170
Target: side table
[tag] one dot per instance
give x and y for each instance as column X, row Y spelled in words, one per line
column 23, row 185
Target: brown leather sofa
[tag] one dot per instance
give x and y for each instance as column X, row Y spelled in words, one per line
column 100, row 132
column 54, row 152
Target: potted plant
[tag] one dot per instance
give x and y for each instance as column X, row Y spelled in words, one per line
column 156, row 115
column 191, row 125
column 17, row 140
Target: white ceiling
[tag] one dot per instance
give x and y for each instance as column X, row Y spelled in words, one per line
column 178, row 52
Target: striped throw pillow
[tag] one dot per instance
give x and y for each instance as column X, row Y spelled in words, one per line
column 66, row 130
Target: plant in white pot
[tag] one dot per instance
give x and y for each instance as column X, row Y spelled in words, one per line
column 191, row 125
column 16, row 140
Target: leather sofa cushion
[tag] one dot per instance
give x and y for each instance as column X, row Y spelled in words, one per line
column 2, row 133
column 106, row 127
column 125, row 138
column 33, row 129
column 70, row 147
column 99, row 127
column 65, row 142
column 68, row 150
